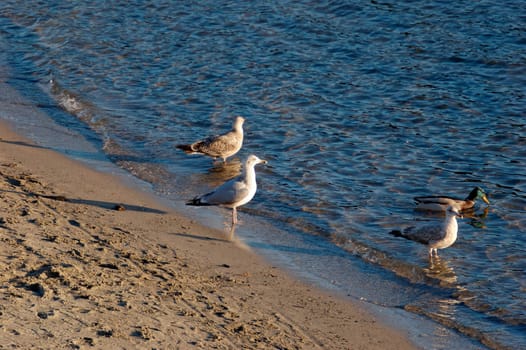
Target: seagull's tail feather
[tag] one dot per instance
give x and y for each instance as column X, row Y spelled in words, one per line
column 403, row 234
column 410, row 235
column 198, row 201
column 186, row 148
column 194, row 201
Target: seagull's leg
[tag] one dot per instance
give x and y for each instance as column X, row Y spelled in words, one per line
column 234, row 222
column 234, row 216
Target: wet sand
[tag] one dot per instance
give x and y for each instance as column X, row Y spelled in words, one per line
column 87, row 261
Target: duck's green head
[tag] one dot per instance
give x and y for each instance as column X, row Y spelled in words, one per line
column 478, row 193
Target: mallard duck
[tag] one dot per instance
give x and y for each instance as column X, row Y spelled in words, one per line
column 220, row 146
column 434, row 236
column 235, row 192
column 440, row 203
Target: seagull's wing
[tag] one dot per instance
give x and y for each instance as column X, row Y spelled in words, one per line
column 217, row 145
column 228, row 193
column 423, row 234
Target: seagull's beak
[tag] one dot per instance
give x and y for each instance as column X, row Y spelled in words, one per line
column 263, row 161
column 485, row 199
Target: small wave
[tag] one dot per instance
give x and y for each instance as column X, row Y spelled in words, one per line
column 77, row 106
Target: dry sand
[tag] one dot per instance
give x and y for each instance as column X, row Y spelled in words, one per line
column 78, row 273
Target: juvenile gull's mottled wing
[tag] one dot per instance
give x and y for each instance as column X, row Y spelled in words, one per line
column 217, row 146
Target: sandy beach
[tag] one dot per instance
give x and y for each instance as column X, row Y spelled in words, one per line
column 88, row 262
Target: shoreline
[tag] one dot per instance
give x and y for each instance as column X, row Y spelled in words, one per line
column 78, row 273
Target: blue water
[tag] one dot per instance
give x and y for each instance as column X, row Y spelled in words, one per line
column 358, row 106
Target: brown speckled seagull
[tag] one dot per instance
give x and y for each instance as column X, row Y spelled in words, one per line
column 220, row 146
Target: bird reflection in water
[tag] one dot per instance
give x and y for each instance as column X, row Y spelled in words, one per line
column 440, row 270
column 221, row 172
column 445, row 308
column 477, row 219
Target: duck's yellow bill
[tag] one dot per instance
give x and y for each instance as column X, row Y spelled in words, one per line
column 485, row 199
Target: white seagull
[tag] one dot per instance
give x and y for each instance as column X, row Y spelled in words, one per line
column 220, row 146
column 235, row 192
column 434, row 236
